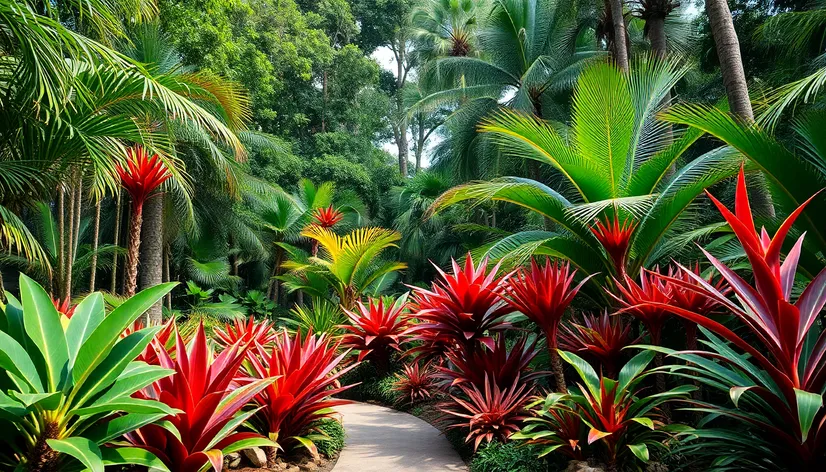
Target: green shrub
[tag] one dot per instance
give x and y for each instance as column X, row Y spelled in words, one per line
column 334, row 442
column 372, row 387
column 509, row 457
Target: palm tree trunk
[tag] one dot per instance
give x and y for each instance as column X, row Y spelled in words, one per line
column 67, row 280
column 618, row 27
column 151, row 253
column 728, row 53
column 61, row 224
column 2, row 288
column 78, row 208
column 95, row 237
column 130, row 281
column 118, row 217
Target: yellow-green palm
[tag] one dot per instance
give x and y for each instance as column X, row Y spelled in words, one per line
column 349, row 264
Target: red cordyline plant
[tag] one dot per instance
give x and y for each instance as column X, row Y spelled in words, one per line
column 461, row 307
column 141, row 176
column 304, row 380
column 692, row 299
column 415, row 383
column 489, row 413
column 615, row 238
column 600, row 340
column 65, row 309
column 203, row 432
column 377, row 329
column 616, row 412
column 543, row 293
column 553, row 429
column 646, row 300
column 499, row 364
column 778, row 389
column 250, row 331
column 164, row 340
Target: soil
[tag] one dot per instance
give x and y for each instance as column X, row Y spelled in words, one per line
column 299, row 461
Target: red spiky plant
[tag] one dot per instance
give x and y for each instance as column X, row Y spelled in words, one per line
column 304, row 378
column 500, row 364
column 646, row 300
column 599, row 340
column 164, row 340
column 140, row 177
column 204, row 430
column 489, row 413
column 543, row 293
column 692, row 299
column 461, row 307
column 64, row 307
column 376, row 330
column 247, row 331
column 325, row 218
column 615, row 238
column 415, row 383
column 784, row 374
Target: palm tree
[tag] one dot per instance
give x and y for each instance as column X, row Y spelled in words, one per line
column 348, row 265
column 731, row 63
column 614, row 164
column 530, row 51
column 446, row 27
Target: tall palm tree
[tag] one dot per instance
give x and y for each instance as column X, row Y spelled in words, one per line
column 731, row 63
column 614, row 164
column 447, row 27
column 530, row 51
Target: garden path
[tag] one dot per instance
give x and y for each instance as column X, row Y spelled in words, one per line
column 380, row 439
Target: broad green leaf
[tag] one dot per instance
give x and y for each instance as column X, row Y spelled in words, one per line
column 82, row 449
column 108, row 430
column 631, row 370
column 42, row 323
column 544, row 452
column 120, row 356
column 136, row 376
column 100, row 342
column 248, row 443
column 88, row 315
column 808, row 405
column 11, row 408
column 647, row 422
column 128, row 405
column 586, row 372
column 640, row 450
column 14, row 359
column 13, row 312
column 46, row 401
column 133, row 456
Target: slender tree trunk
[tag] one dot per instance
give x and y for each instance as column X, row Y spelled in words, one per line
column 151, row 253
column 167, row 277
column 118, row 217
column 78, row 209
column 618, row 27
column 95, row 237
column 67, row 281
column 728, row 53
column 61, row 226
column 655, row 24
column 559, row 371
column 324, row 104
column 130, row 281
column 2, row 288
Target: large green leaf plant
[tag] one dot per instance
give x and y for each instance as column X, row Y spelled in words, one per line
column 66, row 394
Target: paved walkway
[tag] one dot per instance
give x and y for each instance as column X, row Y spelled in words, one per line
column 380, row 439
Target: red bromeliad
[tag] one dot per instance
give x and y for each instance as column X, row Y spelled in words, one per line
column 325, row 218
column 246, row 331
column 489, row 413
column 204, row 430
column 461, row 307
column 598, row 339
column 141, row 176
column 788, row 408
column 64, row 307
column 543, row 293
column 500, row 365
column 376, row 329
column 615, row 239
column 304, row 380
column 415, row 383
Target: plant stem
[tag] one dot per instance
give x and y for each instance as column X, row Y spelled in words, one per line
column 118, row 216
column 559, row 371
column 133, row 253
column 95, row 237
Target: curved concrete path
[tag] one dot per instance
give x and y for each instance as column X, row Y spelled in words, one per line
column 380, row 439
